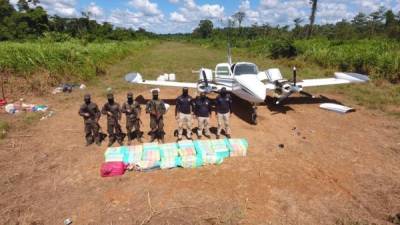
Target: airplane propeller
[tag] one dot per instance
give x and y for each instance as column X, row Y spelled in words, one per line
column 288, row 89
column 205, row 78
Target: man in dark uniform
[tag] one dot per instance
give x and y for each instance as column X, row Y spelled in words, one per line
column 91, row 115
column 202, row 110
column 113, row 112
column 132, row 110
column 183, row 113
column 223, row 111
column 156, row 109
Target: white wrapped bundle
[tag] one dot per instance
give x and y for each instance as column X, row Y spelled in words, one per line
column 151, row 152
column 116, row 154
column 134, row 154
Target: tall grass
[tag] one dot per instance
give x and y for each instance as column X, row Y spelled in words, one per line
column 71, row 60
column 379, row 58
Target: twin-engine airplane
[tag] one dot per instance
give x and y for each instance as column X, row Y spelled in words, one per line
column 245, row 81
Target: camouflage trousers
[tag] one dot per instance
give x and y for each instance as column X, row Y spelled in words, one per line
column 92, row 132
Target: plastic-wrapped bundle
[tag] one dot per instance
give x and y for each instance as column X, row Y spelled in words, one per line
column 151, row 152
column 145, row 165
column 170, row 163
column 191, row 162
column 238, row 147
column 220, row 147
column 169, row 156
column 168, row 151
column 206, row 152
column 134, row 154
column 116, row 154
column 186, row 148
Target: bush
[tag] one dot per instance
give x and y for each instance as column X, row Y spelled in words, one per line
column 4, row 127
column 282, row 49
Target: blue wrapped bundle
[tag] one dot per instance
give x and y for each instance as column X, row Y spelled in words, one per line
column 116, row 154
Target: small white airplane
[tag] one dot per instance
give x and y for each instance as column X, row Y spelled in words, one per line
column 245, row 81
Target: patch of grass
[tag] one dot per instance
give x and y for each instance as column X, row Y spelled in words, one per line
column 70, row 60
column 31, row 118
column 4, row 127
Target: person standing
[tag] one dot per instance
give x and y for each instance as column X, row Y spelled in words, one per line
column 223, row 112
column 113, row 112
column 156, row 108
column 132, row 110
column 91, row 115
column 202, row 110
column 183, row 113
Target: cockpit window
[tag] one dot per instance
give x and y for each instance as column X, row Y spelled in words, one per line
column 246, row 69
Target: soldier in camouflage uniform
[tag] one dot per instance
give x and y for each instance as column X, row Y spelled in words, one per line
column 91, row 115
column 156, row 109
column 132, row 110
column 113, row 112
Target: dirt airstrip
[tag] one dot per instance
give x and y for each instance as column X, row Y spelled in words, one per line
column 333, row 168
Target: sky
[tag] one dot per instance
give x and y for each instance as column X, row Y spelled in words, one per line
column 174, row 16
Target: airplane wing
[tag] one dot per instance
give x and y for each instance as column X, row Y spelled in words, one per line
column 340, row 78
column 136, row 78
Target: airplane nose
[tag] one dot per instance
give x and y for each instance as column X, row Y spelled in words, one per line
column 261, row 93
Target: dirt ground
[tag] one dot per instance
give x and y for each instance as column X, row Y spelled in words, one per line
column 333, row 169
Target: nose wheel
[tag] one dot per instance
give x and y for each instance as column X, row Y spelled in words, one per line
column 254, row 115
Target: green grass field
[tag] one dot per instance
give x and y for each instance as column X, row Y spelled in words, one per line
column 71, row 60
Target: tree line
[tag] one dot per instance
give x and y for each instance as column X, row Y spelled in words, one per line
column 28, row 20
column 382, row 23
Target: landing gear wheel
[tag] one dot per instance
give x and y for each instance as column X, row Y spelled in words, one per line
column 254, row 115
column 254, row 118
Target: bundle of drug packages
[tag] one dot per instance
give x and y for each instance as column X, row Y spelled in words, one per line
column 116, row 154
column 206, row 152
column 135, row 154
column 220, row 147
column 150, row 158
column 169, row 156
column 238, row 147
column 187, row 152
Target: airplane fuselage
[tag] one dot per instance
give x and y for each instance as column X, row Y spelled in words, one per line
column 241, row 78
